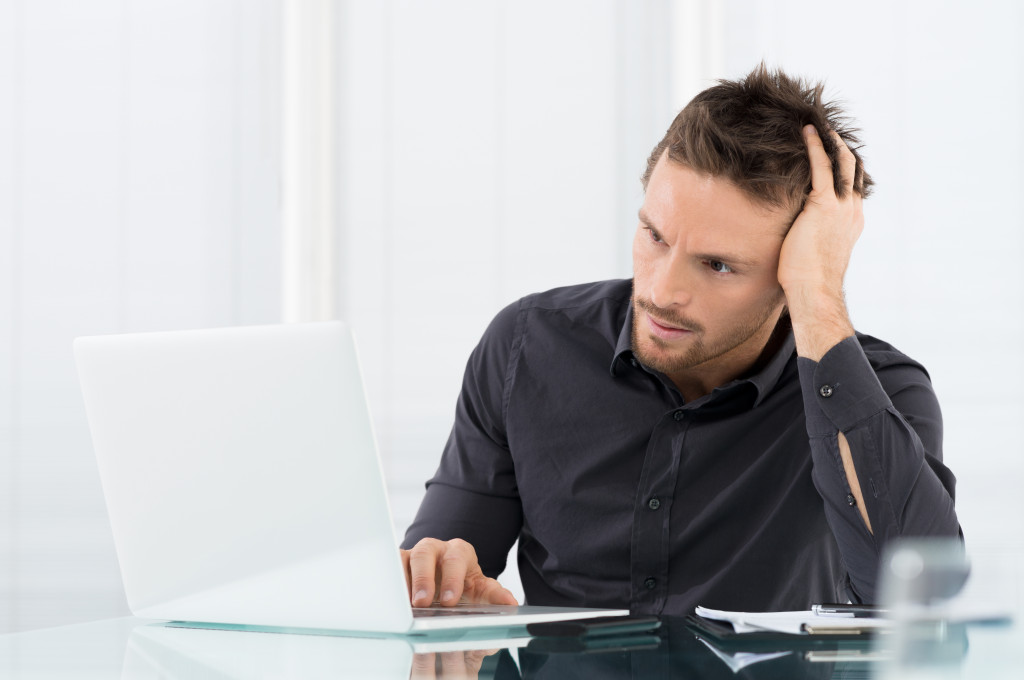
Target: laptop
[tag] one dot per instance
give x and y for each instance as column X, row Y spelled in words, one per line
column 244, row 486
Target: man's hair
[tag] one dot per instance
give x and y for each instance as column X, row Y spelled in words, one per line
column 750, row 131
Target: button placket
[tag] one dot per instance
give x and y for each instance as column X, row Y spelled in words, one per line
column 651, row 547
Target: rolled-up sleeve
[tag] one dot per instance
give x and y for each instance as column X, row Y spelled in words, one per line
column 473, row 495
column 884, row 404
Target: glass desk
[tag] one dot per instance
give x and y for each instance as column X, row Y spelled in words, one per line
column 130, row 648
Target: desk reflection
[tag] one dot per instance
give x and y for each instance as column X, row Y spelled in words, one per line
column 172, row 652
column 165, row 651
column 468, row 665
column 158, row 651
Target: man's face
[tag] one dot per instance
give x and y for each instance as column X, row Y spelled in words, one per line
column 706, row 294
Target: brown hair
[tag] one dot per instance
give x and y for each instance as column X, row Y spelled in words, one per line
column 750, row 131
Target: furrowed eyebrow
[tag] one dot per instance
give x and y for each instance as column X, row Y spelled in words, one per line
column 714, row 257
column 646, row 220
column 725, row 259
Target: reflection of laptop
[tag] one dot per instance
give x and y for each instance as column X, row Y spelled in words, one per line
column 170, row 653
column 243, row 483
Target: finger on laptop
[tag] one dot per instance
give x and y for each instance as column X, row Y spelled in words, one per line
column 421, row 571
column 405, row 569
column 462, row 579
column 456, row 562
column 483, row 590
column 450, row 572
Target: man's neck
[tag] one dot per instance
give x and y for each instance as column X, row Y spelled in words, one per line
column 743, row 361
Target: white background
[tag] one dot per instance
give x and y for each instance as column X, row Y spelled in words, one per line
column 486, row 150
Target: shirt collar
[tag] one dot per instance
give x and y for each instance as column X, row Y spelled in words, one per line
column 767, row 378
column 624, row 347
column 764, row 380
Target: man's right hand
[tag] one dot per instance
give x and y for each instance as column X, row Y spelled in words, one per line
column 448, row 572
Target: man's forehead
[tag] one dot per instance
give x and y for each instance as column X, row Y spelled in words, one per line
column 676, row 190
column 782, row 215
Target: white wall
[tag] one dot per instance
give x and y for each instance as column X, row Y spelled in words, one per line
column 138, row 191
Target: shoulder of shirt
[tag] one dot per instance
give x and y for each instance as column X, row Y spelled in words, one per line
column 603, row 299
column 881, row 354
column 616, row 291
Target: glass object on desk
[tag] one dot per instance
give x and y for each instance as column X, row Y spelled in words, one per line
column 917, row 577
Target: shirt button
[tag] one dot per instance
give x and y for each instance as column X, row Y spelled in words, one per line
column 826, row 391
column 850, row 500
column 636, row 364
column 678, row 415
column 650, row 584
column 654, row 504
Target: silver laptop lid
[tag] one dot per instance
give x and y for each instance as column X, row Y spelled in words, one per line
column 242, row 478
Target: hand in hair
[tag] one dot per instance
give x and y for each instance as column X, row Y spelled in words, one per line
column 812, row 266
column 817, row 249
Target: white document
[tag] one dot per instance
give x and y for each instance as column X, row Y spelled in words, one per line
column 789, row 622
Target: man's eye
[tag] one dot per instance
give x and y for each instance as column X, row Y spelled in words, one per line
column 654, row 235
column 720, row 267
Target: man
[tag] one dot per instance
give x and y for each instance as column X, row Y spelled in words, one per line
column 714, row 431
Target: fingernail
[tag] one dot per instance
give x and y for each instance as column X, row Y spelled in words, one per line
column 447, row 595
column 420, row 594
column 809, row 130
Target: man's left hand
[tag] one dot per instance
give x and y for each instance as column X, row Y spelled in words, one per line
column 817, row 249
column 812, row 266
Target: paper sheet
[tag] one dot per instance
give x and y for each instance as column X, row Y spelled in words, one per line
column 788, row 622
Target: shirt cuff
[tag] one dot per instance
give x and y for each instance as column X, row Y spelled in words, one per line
column 841, row 390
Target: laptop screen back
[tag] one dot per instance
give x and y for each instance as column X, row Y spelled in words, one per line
column 241, row 477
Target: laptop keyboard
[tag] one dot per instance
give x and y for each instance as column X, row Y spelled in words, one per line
column 460, row 610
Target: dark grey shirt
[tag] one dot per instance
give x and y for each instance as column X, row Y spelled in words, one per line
column 622, row 494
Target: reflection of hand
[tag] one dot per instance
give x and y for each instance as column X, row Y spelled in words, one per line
column 817, row 249
column 449, row 572
column 449, row 664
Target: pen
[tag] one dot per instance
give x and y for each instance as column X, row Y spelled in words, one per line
column 856, row 610
column 812, row 629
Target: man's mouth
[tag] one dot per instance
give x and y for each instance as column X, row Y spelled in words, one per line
column 666, row 331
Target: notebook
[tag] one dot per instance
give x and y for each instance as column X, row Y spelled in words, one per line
column 244, row 486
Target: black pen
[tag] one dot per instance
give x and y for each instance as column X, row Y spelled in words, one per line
column 857, row 610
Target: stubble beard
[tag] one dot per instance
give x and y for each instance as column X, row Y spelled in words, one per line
column 699, row 351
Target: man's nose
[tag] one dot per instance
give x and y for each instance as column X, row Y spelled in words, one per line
column 670, row 286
